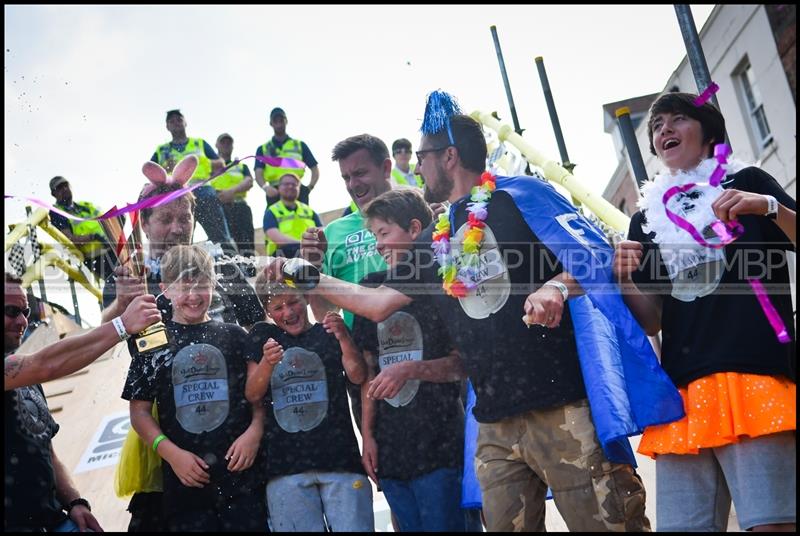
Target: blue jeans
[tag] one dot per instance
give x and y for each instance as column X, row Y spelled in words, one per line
column 68, row 525
column 431, row 502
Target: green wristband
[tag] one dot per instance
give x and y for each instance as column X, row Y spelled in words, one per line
column 158, row 440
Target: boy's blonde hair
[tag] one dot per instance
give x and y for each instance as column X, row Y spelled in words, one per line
column 266, row 289
column 191, row 262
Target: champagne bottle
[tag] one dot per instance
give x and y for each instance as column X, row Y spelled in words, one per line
column 300, row 274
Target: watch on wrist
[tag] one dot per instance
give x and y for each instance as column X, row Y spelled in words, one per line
column 772, row 207
column 76, row 502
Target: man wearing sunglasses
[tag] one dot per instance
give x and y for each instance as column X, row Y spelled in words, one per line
column 404, row 171
column 38, row 487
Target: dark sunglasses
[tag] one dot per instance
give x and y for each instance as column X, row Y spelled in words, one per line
column 12, row 311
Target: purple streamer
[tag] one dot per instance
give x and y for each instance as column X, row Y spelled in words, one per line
column 706, row 95
column 163, row 199
column 727, row 232
column 721, row 153
column 772, row 315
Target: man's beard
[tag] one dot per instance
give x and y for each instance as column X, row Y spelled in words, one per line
column 442, row 191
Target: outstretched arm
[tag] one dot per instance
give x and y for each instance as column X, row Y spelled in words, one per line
column 375, row 304
column 392, row 379
column 73, row 353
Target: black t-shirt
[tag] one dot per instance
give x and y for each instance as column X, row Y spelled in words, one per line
column 30, row 500
column 198, row 383
column 513, row 368
column 308, row 426
column 422, row 428
column 233, row 300
column 725, row 328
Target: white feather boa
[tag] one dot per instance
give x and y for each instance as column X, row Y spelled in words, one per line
column 682, row 255
column 651, row 204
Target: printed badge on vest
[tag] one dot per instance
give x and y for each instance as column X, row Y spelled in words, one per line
column 400, row 339
column 694, row 269
column 494, row 283
column 200, row 383
column 299, row 390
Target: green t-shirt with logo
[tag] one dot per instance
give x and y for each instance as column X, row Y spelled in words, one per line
column 352, row 253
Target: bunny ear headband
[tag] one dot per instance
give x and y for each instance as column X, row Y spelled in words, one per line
column 157, row 175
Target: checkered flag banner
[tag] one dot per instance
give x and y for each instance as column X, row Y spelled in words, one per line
column 36, row 249
column 16, row 258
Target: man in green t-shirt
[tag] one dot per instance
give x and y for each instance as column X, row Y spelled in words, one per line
column 346, row 249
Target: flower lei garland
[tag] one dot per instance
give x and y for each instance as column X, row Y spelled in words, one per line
column 457, row 281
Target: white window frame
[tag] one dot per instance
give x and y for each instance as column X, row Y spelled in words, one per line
column 754, row 104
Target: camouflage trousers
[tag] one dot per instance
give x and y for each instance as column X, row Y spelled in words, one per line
column 519, row 457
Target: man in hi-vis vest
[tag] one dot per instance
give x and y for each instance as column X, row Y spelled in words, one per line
column 232, row 187
column 88, row 236
column 283, row 146
column 209, row 211
column 403, row 172
column 286, row 220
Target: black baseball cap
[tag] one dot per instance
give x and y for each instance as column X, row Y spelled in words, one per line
column 223, row 136
column 57, row 181
column 276, row 112
column 170, row 113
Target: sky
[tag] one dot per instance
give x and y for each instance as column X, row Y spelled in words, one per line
column 87, row 87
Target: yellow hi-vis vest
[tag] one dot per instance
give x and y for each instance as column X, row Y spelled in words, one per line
column 233, row 177
column 291, row 149
column 194, row 146
column 400, row 178
column 84, row 228
column 290, row 222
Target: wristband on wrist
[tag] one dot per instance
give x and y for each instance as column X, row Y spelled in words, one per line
column 560, row 286
column 772, row 207
column 158, row 440
column 76, row 502
column 120, row 327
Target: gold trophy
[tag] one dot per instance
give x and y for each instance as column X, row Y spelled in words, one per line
column 155, row 336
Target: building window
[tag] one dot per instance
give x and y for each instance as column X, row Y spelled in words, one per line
column 755, row 107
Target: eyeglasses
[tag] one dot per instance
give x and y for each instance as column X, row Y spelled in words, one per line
column 12, row 311
column 421, row 154
column 403, row 151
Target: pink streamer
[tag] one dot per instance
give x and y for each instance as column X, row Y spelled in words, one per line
column 276, row 161
column 772, row 315
column 727, row 232
column 706, row 95
column 162, row 199
column 721, row 152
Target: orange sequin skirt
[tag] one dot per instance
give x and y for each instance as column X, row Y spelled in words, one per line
column 721, row 408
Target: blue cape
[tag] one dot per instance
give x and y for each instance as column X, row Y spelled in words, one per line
column 626, row 386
